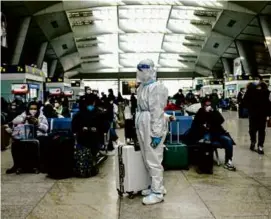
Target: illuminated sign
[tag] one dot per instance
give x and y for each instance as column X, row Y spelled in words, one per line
column 19, row 88
column 68, row 92
column 55, row 91
column 54, row 80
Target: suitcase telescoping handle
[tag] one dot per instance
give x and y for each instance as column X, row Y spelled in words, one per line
column 178, row 131
column 31, row 134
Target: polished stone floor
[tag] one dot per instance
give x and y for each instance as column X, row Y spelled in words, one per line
column 245, row 193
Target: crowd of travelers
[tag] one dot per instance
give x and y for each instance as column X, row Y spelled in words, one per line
column 105, row 113
column 108, row 112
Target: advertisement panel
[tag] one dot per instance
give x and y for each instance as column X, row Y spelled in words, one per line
column 19, row 88
column 237, row 67
column 55, row 91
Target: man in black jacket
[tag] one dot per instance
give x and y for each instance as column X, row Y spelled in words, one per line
column 240, row 101
column 179, row 97
column 258, row 104
column 207, row 125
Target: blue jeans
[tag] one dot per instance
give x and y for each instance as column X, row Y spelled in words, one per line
column 224, row 141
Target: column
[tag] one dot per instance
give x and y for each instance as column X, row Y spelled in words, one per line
column 42, row 51
column 228, row 66
column 265, row 23
column 247, row 56
column 20, row 41
column 52, row 68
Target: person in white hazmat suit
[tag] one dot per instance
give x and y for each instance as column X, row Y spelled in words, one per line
column 151, row 128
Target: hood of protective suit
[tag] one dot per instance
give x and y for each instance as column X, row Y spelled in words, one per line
column 145, row 71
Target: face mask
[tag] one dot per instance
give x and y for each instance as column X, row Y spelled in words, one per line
column 90, row 107
column 56, row 105
column 208, row 108
column 13, row 107
column 33, row 112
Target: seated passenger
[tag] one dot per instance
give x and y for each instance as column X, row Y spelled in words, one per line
column 208, row 125
column 172, row 105
column 49, row 111
column 88, row 125
column 33, row 116
column 62, row 110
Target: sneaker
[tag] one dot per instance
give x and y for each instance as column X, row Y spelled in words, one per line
column 11, row 170
column 252, row 147
column 152, row 199
column 229, row 166
column 147, row 192
column 260, row 150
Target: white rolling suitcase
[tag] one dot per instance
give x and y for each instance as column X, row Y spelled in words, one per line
column 131, row 173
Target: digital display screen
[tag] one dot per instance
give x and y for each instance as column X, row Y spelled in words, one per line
column 128, row 87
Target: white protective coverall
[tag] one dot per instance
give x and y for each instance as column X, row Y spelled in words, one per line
column 150, row 122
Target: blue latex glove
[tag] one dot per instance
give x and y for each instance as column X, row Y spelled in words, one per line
column 155, row 141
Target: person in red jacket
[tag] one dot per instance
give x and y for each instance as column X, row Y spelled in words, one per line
column 171, row 106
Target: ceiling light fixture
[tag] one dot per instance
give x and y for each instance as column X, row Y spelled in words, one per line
column 86, row 39
column 89, row 57
column 82, row 23
column 205, row 13
column 201, row 22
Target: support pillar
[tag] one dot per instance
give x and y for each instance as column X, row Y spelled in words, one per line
column 42, row 51
column 247, row 56
column 20, row 40
column 265, row 23
column 52, row 68
column 228, row 66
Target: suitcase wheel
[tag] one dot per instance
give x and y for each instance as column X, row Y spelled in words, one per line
column 36, row 171
column 18, row 171
column 131, row 195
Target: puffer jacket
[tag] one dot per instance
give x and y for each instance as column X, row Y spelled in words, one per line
column 43, row 123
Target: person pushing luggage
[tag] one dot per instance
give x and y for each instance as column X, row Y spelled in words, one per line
column 151, row 128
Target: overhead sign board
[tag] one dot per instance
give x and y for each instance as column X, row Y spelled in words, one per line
column 54, row 80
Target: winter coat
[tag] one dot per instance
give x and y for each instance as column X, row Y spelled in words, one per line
column 42, row 127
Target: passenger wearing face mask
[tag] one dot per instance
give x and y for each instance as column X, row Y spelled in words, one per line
column 13, row 112
column 33, row 116
column 88, row 125
column 61, row 110
column 241, row 101
column 88, row 91
column 214, row 99
column 207, row 125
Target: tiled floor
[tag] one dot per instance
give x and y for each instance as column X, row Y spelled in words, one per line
column 242, row 194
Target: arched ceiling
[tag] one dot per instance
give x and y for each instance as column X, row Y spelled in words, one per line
column 107, row 36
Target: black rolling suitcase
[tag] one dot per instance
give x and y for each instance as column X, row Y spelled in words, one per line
column 27, row 151
column 60, row 155
column 61, row 144
column 204, row 158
